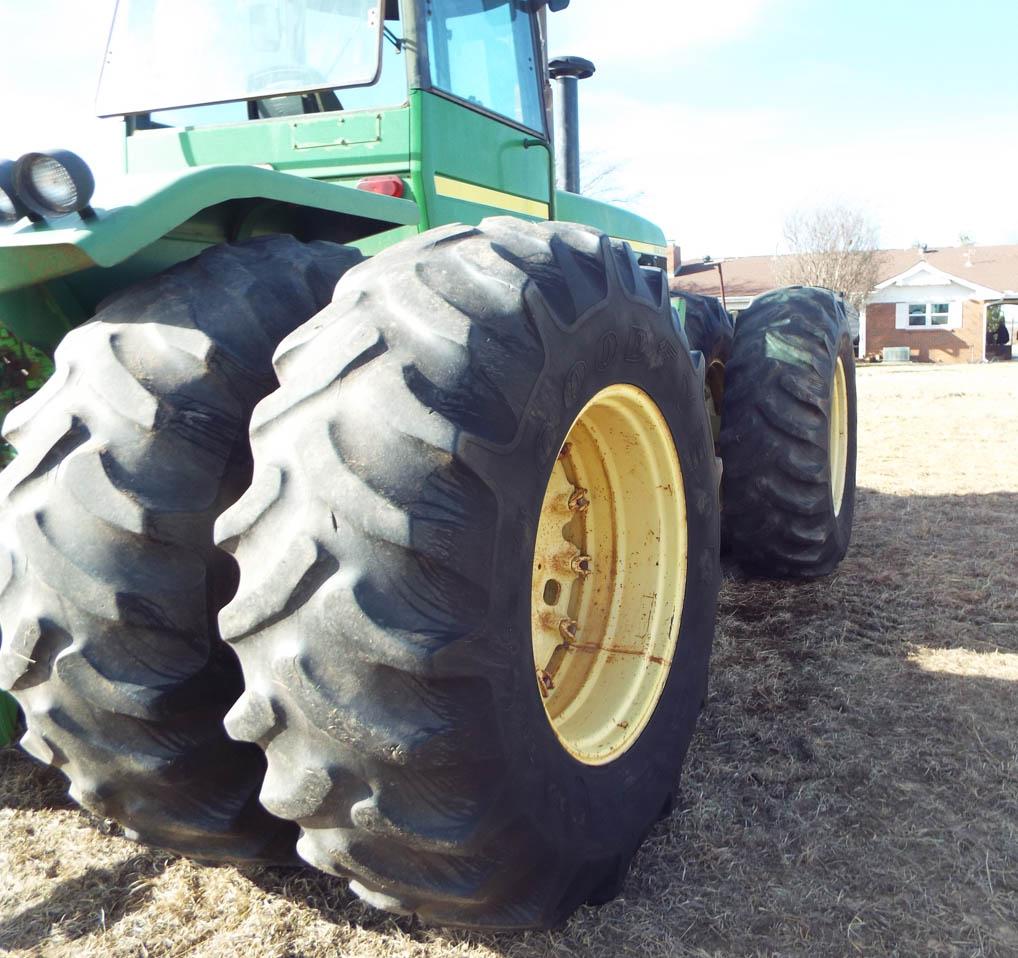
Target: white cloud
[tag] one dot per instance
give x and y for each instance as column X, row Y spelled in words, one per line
column 723, row 182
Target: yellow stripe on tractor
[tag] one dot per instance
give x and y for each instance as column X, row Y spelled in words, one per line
column 460, row 190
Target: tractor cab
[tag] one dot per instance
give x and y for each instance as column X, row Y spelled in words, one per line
column 332, row 83
column 292, row 57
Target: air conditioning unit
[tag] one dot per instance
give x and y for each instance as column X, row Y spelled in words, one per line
column 897, row 354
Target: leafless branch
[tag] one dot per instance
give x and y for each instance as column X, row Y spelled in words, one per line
column 601, row 179
column 835, row 247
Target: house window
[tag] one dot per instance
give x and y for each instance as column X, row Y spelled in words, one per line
column 929, row 314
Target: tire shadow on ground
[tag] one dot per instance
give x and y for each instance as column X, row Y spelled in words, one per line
column 100, row 896
column 28, row 785
column 853, row 774
column 855, row 780
column 852, row 788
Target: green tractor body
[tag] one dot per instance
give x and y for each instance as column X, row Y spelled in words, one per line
column 370, row 516
column 8, row 718
column 191, row 187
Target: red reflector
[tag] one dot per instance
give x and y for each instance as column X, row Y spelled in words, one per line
column 386, row 185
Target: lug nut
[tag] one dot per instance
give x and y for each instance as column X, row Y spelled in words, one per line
column 544, row 682
column 578, row 501
column 580, row 565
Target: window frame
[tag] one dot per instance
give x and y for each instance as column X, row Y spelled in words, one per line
column 104, row 112
column 929, row 314
column 428, row 83
column 952, row 315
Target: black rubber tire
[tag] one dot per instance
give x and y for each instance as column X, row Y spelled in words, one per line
column 110, row 583
column 385, row 549
column 778, row 513
column 708, row 327
column 711, row 332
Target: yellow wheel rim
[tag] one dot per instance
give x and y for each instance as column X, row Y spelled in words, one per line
column 837, row 446
column 609, row 575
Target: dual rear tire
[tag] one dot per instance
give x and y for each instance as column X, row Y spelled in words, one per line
column 788, row 435
column 478, row 560
column 110, row 582
column 386, row 544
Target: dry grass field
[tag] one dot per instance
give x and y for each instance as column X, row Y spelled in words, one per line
column 852, row 789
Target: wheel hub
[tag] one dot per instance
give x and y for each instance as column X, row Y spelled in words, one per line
column 609, row 575
column 838, row 439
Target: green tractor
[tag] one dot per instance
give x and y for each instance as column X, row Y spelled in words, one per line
column 371, row 515
column 8, row 718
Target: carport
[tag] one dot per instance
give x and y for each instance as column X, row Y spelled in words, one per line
column 1008, row 351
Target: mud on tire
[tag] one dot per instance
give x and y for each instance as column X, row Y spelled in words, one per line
column 109, row 579
column 386, row 548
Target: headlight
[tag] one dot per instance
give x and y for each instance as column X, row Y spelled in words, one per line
column 56, row 182
column 11, row 209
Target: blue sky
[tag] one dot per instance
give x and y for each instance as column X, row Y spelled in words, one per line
column 725, row 116
column 730, row 115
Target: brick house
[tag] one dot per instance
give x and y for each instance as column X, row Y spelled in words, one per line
column 934, row 302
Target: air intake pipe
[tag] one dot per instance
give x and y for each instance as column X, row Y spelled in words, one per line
column 568, row 71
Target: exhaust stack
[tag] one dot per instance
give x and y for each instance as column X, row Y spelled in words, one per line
column 568, row 71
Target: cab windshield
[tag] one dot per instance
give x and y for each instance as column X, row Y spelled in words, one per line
column 164, row 54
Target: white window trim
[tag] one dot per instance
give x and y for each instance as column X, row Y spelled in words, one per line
column 901, row 316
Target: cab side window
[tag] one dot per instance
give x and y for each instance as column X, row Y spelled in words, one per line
column 483, row 51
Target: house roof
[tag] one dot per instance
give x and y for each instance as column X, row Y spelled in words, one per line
column 995, row 267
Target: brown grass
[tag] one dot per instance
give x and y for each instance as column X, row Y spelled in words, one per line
column 853, row 787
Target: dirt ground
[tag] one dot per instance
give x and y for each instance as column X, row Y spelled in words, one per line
column 852, row 789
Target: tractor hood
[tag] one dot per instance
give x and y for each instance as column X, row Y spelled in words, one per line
column 149, row 208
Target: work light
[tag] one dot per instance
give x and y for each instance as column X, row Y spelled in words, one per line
column 53, row 183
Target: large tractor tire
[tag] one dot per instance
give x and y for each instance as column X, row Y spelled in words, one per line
column 479, row 569
column 711, row 332
column 110, row 582
column 708, row 327
column 788, row 436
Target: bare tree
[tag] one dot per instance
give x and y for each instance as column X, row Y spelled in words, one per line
column 832, row 246
column 601, row 179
